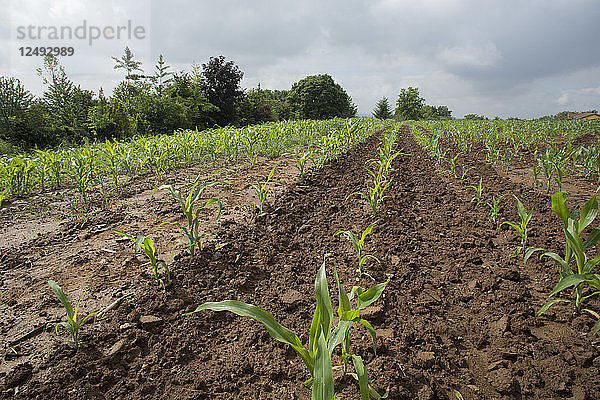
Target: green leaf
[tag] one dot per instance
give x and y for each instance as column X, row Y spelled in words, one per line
column 367, row 298
column 597, row 327
column 367, row 231
column 315, row 331
column 344, row 302
column 588, row 214
column 590, row 264
column 339, row 334
column 529, row 252
column 124, row 234
column 558, row 206
column 521, row 209
column 323, row 301
column 276, row 330
column 550, row 303
column 576, row 245
column 323, row 373
column 361, row 372
column 372, row 391
column 371, row 330
column 62, row 297
column 350, row 315
column 564, row 266
column 593, row 238
column 570, row 280
column 517, row 227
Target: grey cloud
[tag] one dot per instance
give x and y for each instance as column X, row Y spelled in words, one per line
column 495, row 58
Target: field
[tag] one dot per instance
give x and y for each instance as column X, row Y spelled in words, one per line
column 457, row 319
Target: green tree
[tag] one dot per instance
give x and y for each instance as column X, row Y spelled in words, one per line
column 182, row 106
column 110, row 120
column 58, row 96
column 319, row 97
column 220, row 84
column 382, row 109
column 130, row 66
column 263, row 105
column 65, row 107
column 409, row 104
column 15, row 102
column 435, row 112
column 162, row 75
column 474, row 117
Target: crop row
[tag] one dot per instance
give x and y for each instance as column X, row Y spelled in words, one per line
column 576, row 270
column 508, row 141
column 111, row 164
column 324, row 336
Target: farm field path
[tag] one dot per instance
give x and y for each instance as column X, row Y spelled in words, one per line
column 458, row 313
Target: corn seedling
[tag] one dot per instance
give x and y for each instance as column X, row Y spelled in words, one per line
column 71, row 325
column 558, row 176
column 25, row 173
column 373, row 195
column 452, row 165
column 191, row 231
column 261, row 190
column 147, row 244
column 381, row 181
column 521, row 228
column 463, row 175
column 323, row 337
column 478, row 197
column 82, row 173
column 301, row 158
column 582, row 276
column 536, row 176
column 250, row 143
column 495, row 206
column 358, row 244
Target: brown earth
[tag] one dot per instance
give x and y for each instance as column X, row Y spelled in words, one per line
column 457, row 315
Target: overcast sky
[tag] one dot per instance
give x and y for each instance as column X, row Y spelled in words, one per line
column 524, row 58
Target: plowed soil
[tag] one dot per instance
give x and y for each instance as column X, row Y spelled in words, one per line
column 457, row 318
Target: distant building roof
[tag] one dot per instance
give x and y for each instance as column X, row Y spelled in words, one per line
column 581, row 115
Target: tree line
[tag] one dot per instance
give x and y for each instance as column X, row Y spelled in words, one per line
column 156, row 103
column 410, row 106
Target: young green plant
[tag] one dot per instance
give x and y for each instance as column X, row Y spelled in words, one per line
column 358, row 244
column 323, row 337
column 147, row 244
column 582, row 276
column 521, row 228
column 494, row 205
column 71, row 325
column 192, row 230
column 301, row 157
column 478, row 197
column 261, row 190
